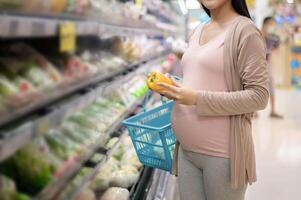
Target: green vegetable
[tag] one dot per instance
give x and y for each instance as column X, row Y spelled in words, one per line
column 7, row 188
column 21, row 196
column 62, row 146
column 7, row 88
column 70, row 129
column 30, row 168
column 38, row 76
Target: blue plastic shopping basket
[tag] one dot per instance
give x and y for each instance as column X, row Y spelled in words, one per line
column 152, row 135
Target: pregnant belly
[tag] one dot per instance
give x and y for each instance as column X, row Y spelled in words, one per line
column 196, row 132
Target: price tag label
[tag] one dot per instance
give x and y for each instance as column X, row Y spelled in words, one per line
column 67, row 32
column 251, row 3
column 138, row 2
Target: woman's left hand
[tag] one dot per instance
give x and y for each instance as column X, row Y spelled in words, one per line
column 179, row 93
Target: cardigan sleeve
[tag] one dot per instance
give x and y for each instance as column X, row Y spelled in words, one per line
column 254, row 78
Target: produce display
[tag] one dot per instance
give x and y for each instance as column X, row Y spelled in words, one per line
column 113, row 11
column 56, row 149
column 86, row 194
column 29, row 178
column 120, row 172
column 8, row 190
column 116, row 193
column 33, row 76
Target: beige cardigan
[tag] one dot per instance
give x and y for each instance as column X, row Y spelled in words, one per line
column 247, row 79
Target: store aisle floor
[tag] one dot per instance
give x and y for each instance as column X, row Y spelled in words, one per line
column 278, row 151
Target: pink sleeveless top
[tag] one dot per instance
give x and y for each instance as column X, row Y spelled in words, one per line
column 203, row 69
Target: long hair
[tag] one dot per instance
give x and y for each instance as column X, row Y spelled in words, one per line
column 240, row 6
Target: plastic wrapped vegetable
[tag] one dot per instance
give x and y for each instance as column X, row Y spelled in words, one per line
column 62, row 146
column 85, row 194
column 116, row 193
column 20, row 196
column 7, row 88
column 124, row 178
column 130, row 158
column 119, row 152
column 11, row 4
column 88, row 122
column 38, row 76
column 70, row 129
column 29, row 167
column 7, row 188
column 103, row 178
column 101, row 181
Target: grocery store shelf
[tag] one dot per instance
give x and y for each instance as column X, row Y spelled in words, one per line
column 89, row 177
column 81, row 84
column 14, row 138
column 18, row 25
column 137, row 189
column 53, row 190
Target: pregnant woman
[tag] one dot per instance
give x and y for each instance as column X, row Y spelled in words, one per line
column 225, row 81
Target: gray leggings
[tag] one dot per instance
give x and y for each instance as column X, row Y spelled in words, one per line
column 204, row 177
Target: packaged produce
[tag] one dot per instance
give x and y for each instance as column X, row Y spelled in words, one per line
column 124, row 178
column 58, row 6
column 103, row 179
column 20, row 196
column 11, row 4
column 119, row 152
column 80, row 7
column 37, row 76
column 154, row 78
column 7, row 88
column 131, row 159
column 86, row 194
column 62, row 146
column 29, row 167
column 31, row 65
column 121, row 170
column 7, row 188
column 116, row 193
column 37, row 6
column 55, row 161
column 24, row 85
column 88, row 122
column 70, row 130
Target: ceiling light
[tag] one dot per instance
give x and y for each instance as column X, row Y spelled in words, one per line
column 192, row 4
column 183, row 7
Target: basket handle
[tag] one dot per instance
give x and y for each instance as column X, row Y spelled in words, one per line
column 147, row 97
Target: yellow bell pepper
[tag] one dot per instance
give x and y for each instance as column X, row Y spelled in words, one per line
column 156, row 77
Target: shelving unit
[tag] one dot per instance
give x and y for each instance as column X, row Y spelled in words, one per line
column 54, row 188
column 17, row 137
column 20, row 25
column 23, row 124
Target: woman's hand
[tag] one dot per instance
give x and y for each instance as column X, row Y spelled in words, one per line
column 179, row 93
